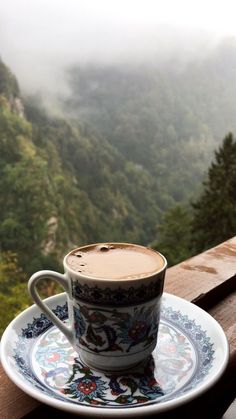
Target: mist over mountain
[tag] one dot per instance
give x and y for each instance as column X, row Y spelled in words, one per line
column 43, row 70
column 40, row 40
column 167, row 119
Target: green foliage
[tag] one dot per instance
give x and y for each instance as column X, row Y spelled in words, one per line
column 101, row 185
column 184, row 232
column 215, row 211
column 155, row 118
column 13, row 291
column 174, row 235
column 26, row 205
column 14, row 130
column 8, row 83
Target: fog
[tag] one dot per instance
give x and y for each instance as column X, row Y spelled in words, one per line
column 40, row 39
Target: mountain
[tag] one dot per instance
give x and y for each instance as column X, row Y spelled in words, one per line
column 62, row 186
column 166, row 118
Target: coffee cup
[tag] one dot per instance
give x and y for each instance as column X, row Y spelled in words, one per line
column 114, row 294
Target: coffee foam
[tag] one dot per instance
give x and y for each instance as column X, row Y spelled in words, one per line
column 115, row 261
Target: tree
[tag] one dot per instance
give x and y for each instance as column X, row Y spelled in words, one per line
column 215, row 211
column 14, row 296
column 174, row 235
column 8, row 83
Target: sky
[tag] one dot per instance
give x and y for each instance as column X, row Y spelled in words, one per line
column 39, row 38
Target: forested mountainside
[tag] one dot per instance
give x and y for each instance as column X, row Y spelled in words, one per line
column 167, row 118
column 61, row 186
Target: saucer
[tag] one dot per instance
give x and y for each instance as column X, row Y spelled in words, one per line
column 190, row 356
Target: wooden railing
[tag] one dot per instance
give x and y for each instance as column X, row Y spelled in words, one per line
column 208, row 280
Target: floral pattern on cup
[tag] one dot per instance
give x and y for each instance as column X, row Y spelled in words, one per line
column 118, row 296
column 108, row 330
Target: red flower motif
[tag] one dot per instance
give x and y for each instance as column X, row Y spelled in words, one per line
column 87, row 387
column 138, row 329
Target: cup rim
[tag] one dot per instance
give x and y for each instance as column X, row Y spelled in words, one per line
column 108, row 280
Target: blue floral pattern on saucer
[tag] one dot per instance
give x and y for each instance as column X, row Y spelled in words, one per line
column 182, row 359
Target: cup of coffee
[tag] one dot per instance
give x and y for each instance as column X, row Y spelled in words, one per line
column 114, row 294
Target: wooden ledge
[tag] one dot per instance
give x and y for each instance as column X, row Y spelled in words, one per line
column 206, row 278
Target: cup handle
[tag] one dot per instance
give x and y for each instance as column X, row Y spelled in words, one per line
column 60, row 279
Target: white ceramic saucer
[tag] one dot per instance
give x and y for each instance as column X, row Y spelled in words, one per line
column 191, row 354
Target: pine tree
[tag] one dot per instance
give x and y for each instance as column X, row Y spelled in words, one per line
column 215, row 212
column 174, row 235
